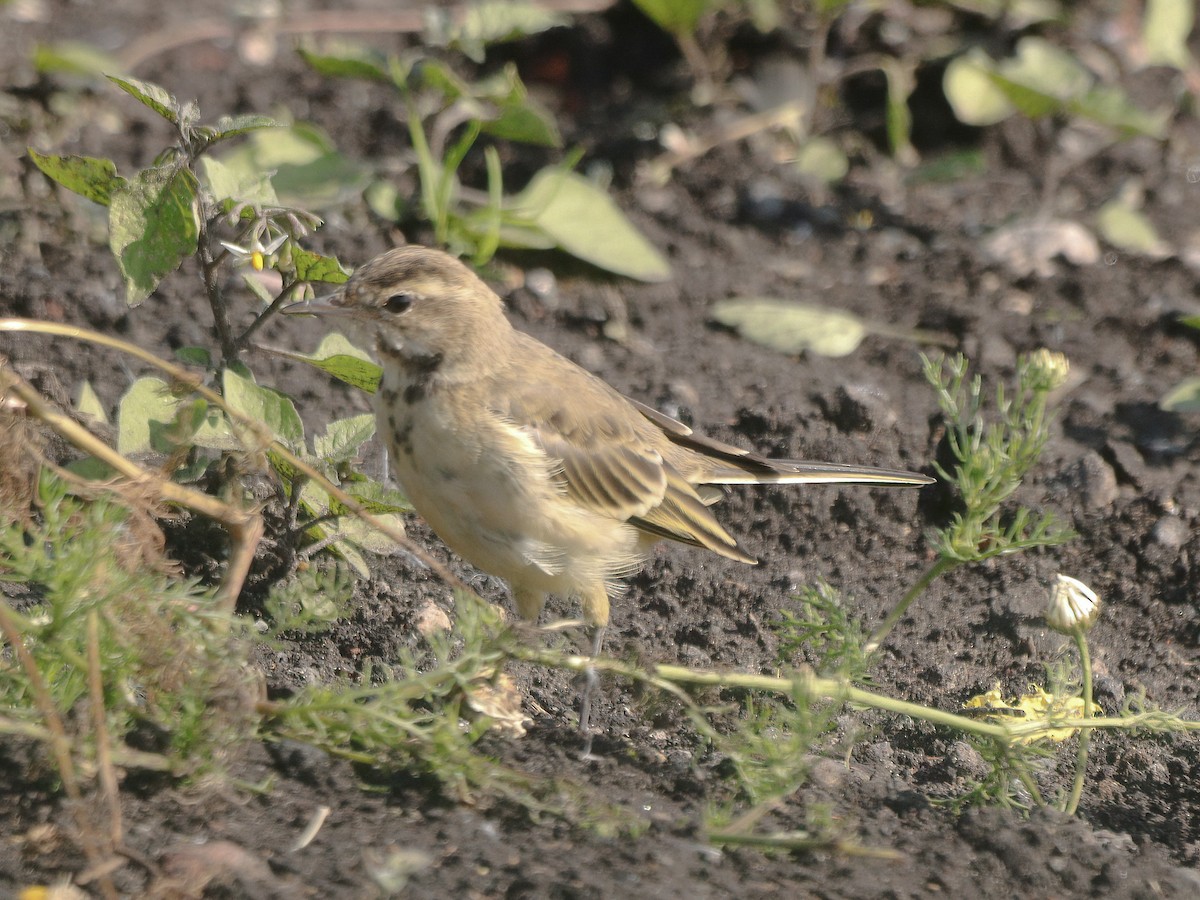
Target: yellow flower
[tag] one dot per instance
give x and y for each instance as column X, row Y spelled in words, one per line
column 1030, row 710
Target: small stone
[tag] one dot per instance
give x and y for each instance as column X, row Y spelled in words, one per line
column 1170, row 532
column 1094, row 480
column 966, row 761
column 432, row 618
column 861, row 407
column 543, row 285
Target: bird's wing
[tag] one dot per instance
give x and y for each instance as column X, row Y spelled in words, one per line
column 720, row 463
column 611, row 460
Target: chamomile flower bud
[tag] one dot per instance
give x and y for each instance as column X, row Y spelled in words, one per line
column 1048, row 368
column 1073, row 605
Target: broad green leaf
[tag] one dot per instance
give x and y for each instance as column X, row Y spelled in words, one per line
column 583, row 220
column 520, row 118
column 232, row 126
column 348, row 61
column 73, row 58
column 190, row 416
column 234, row 184
column 792, row 327
column 150, row 95
column 1125, row 227
column 265, row 406
column 1049, row 70
column 315, row 267
column 308, row 171
column 91, row 469
column 89, row 403
column 676, row 16
column 515, row 235
column 823, row 159
column 473, row 27
column 343, row 438
column 1165, row 31
column 974, row 97
column 1031, row 102
column 215, row 433
column 358, row 533
column 88, row 176
column 153, row 227
column 385, row 201
column 374, row 497
column 343, row 361
column 148, row 401
column 1110, row 105
column 254, row 285
column 195, row 356
column 1184, row 397
column 438, row 76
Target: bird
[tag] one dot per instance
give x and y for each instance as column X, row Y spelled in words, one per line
column 526, row 465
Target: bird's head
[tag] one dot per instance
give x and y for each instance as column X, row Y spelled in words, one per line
column 416, row 305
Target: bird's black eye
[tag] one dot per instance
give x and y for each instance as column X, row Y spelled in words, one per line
column 399, row 303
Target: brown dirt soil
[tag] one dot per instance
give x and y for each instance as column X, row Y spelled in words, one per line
column 1117, row 469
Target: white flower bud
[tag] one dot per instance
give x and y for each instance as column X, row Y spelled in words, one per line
column 1073, row 605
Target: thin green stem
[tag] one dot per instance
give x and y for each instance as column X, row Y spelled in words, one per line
column 1081, row 756
column 939, row 568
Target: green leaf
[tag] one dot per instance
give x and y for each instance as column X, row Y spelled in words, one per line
column 474, row 26
column 150, row 95
column 974, row 97
column 584, row 221
column 194, row 356
column 1190, row 321
column 901, row 81
column 1184, row 397
column 153, row 227
column 1045, row 69
column 87, row 176
column 348, row 61
column 823, row 159
column 343, row 438
column 215, row 433
column 73, row 58
column 1165, row 31
column 519, row 117
column 89, row 403
column 374, row 497
column 1112, row 106
column 266, row 406
column 675, row 16
column 309, row 172
column 315, row 267
column 343, row 361
column 385, row 201
column 190, row 416
column 792, row 327
column 232, row 126
column 359, row 534
column 148, row 402
column 232, row 184
column 1125, row 227
column 254, row 285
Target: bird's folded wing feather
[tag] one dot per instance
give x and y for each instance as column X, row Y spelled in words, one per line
column 610, row 464
column 720, row 463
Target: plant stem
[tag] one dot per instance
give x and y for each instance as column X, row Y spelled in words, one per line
column 210, row 267
column 1081, row 756
column 943, row 565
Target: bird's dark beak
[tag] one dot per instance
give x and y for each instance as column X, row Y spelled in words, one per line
column 333, row 305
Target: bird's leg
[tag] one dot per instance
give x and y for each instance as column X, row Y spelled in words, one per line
column 591, row 686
